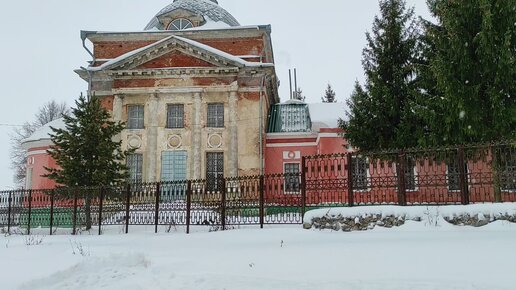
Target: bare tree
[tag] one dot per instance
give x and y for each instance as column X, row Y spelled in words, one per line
column 49, row 112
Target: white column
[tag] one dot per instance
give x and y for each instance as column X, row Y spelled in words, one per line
column 196, row 136
column 117, row 113
column 117, row 107
column 233, row 134
column 152, row 138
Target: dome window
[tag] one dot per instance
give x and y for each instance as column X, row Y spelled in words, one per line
column 180, row 24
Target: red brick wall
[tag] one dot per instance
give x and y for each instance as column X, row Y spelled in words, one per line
column 107, row 102
column 234, row 46
column 175, row 59
column 237, row 46
column 114, row 49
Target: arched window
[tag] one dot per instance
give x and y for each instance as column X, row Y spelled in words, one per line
column 180, row 24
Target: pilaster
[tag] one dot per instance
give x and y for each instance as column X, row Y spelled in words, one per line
column 117, row 113
column 233, row 134
column 196, row 136
column 152, row 138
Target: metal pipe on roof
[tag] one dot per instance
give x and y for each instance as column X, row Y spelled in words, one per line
column 83, row 38
column 295, row 82
column 290, row 81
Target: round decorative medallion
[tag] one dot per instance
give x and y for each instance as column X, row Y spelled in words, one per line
column 291, row 154
column 214, row 141
column 174, row 141
column 134, row 142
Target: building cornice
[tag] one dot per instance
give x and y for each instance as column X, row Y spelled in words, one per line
column 172, row 90
column 223, row 33
column 173, row 72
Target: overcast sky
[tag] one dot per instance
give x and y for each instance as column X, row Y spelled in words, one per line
column 41, row 46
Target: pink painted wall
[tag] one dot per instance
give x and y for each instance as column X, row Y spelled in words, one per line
column 331, row 145
column 37, row 163
column 302, row 146
column 274, row 156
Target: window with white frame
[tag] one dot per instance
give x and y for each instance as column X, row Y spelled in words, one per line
column 292, row 177
column 173, row 165
column 180, row 24
column 28, row 179
column 173, row 168
column 360, row 173
column 453, row 175
column 508, row 171
column 135, row 166
column 135, row 117
column 410, row 174
column 175, row 116
column 214, row 171
column 215, row 115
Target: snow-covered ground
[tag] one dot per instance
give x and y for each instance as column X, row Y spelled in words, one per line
column 413, row 256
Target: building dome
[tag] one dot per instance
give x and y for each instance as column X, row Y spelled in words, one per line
column 184, row 14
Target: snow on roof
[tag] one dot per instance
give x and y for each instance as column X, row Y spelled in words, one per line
column 327, row 114
column 199, row 45
column 223, row 54
column 294, row 101
column 211, row 24
column 43, row 133
column 157, row 31
column 209, row 9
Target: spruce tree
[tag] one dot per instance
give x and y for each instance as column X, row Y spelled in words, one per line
column 360, row 110
column 388, row 62
column 474, row 65
column 329, row 95
column 85, row 153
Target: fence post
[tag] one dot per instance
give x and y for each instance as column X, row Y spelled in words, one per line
column 351, row 197
column 303, row 188
column 52, row 194
column 101, row 203
column 402, row 187
column 30, row 212
column 496, row 166
column 127, row 205
column 74, row 212
column 188, row 204
column 156, row 212
column 223, row 208
column 463, row 181
column 9, row 201
column 262, row 201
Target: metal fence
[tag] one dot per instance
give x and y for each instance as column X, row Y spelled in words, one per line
column 462, row 175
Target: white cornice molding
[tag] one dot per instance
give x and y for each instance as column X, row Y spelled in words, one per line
column 276, row 145
column 36, row 152
column 173, row 72
column 172, row 90
column 37, row 143
column 222, row 33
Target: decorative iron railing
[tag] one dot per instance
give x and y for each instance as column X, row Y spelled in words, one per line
column 441, row 176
